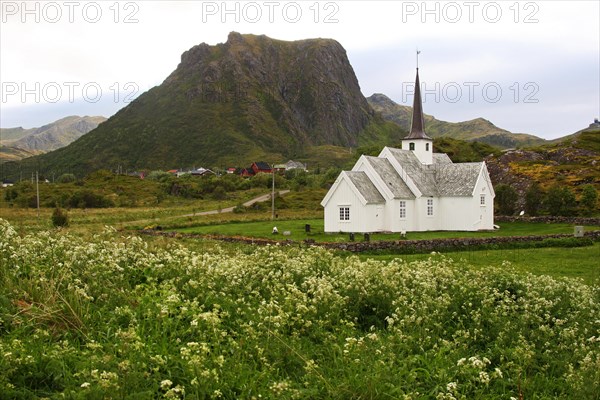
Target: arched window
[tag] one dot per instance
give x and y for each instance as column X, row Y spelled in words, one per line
column 411, row 146
column 426, row 146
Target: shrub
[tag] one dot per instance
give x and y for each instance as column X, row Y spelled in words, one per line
column 506, row 198
column 219, row 193
column 560, row 201
column 589, row 200
column 60, row 218
column 66, row 178
column 533, row 199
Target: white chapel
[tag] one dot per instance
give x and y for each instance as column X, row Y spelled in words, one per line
column 411, row 189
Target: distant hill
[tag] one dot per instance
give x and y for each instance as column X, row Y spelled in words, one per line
column 8, row 153
column 20, row 143
column 250, row 98
column 478, row 129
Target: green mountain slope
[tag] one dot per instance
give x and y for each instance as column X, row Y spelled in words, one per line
column 478, row 129
column 248, row 99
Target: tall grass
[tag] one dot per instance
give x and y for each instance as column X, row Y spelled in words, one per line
column 115, row 317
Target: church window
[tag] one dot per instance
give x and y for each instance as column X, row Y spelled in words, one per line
column 411, row 146
column 344, row 213
column 430, row 207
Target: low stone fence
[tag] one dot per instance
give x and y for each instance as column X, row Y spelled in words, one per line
column 549, row 220
column 399, row 246
column 450, row 244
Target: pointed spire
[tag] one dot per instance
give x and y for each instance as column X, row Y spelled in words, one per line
column 417, row 127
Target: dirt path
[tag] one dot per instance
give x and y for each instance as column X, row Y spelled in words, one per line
column 258, row 199
column 248, row 203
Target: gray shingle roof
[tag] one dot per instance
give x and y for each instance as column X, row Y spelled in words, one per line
column 420, row 174
column 442, row 178
column 456, row 179
column 390, row 177
column 441, row 158
column 365, row 187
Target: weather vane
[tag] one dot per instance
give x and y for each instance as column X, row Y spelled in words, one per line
column 418, row 52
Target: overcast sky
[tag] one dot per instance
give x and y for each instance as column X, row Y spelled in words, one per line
column 527, row 66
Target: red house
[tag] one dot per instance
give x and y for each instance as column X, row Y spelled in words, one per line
column 261, row 166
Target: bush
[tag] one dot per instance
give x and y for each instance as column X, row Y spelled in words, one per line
column 506, row 199
column 533, row 199
column 66, row 178
column 89, row 199
column 219, row 193
column 589, row 200
column 560, row 201
column 60, row 218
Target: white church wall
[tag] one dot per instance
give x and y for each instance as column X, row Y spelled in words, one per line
column 395, row 222
column 367, row 218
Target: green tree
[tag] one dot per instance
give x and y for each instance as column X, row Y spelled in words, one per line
column 589, row 200
column 560, row 201
column 66, row 178
column 506, row 199
column 533, row 199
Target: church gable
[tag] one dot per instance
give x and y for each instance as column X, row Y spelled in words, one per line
column 388, row 177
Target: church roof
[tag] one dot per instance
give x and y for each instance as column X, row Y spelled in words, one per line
column 390, row 177
column 365, row 187
column 417, row 127
column 442, row 178
column 441, row 158
column 456, row 179
column 416, row 171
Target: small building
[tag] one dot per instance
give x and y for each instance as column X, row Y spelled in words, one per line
column 411, row 189
column 291, row 164
column 261, row 166
column 201, row 172
column 247, row 172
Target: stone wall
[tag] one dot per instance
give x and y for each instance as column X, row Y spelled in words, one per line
column 397, row 246
column 451, row 244
column 550, row 220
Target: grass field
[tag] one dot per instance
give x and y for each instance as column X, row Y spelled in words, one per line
column 581, row 262
column 263, row 229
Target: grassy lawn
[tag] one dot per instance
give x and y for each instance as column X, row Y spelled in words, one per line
column 263, row 229
column 580, row 262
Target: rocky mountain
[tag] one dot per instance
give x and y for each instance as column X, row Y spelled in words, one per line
column 19, row 143
column 573, row 162
column 250, row 98
column 478, row 129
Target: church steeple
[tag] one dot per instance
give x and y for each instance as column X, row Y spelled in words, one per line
column 417, row 127
column 417, row 140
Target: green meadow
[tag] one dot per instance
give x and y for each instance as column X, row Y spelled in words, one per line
column 97, row 311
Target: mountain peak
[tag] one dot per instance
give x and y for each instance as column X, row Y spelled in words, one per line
column 232, row 103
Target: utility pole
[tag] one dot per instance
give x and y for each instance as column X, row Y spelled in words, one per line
column 37, row 189
column 273, row 193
